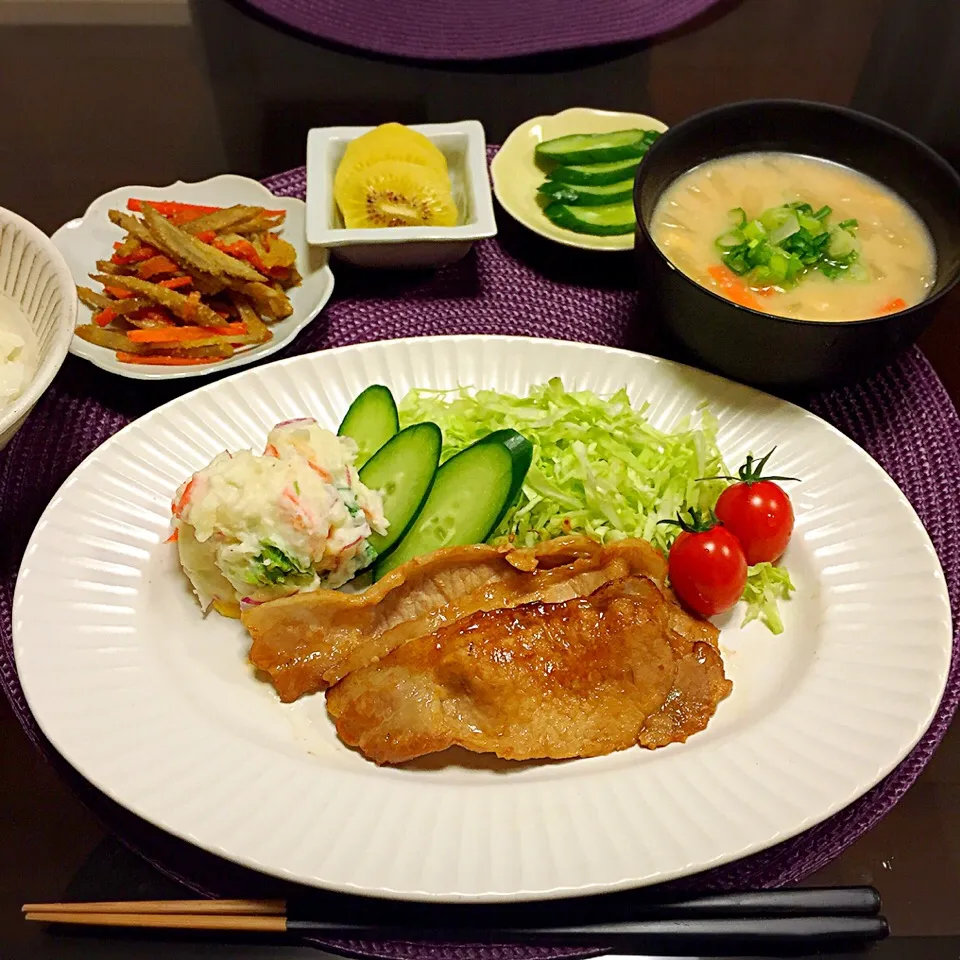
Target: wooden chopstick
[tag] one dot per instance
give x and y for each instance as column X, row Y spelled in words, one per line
column 167, row 921
column 222, row 908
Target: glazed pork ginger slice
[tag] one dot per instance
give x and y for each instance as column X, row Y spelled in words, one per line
column 580, row 678
column 308, row 642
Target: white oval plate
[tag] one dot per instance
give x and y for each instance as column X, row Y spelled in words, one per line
column 161, row 711
column 90, row 238
column 516, row 174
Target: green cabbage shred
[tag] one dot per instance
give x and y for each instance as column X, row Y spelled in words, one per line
column 766, row 584
column 599, row 468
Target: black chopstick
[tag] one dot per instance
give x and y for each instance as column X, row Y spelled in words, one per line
column 808, row 931
column 792, row 902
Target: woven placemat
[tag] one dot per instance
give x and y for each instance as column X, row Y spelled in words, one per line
column 480, row 29
column 514, row 285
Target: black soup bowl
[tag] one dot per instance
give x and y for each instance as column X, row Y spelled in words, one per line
column 781, row 352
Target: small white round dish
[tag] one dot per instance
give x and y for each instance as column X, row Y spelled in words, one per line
column 161, row 710
column 517, row 175
column 90, row 238
column 38, row 296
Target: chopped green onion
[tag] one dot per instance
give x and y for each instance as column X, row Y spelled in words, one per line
column 785, row 243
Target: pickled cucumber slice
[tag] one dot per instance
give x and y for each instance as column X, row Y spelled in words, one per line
column 596, row 174
column 578, row 195
column 607, row 220
column 579, row 148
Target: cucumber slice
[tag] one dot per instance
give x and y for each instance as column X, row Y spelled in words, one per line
column 578, row 195
column 577, row 148
column 596, row 174
column 403, row 470
column 471, row 493
column 371, row 421
column 609, row 220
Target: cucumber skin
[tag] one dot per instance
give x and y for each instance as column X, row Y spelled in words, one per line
column 576, row 196
column 397, row 536
column 521, row 456
column 593, row 154
column 582, row 175
column 377, row 394
column 564, row 216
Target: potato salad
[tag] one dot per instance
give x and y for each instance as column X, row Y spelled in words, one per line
column 252, row 528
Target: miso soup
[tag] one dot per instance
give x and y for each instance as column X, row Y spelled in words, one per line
column 795, row 236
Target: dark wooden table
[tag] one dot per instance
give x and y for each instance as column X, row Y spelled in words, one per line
column 248, row 103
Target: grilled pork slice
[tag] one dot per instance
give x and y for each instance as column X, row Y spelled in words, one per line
column 578, row 678
column 310, row 641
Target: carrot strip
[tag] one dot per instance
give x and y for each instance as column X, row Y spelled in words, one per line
column 207, row 236
column 156, row 265
column 168, row 334
column 158, row 360
column 175, row 283
column 174, row 537
column 168, row 208
column 118, row 293
column 104, row 317
column 243, row 250
column 178, row 505
column 898, row 303
column 144, row 253
column 732, row 287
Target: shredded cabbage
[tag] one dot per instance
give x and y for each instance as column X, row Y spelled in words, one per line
column 599, row 468
column 766, row 584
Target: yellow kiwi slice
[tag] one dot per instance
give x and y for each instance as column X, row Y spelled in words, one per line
column 396, row 193
column 390, row 141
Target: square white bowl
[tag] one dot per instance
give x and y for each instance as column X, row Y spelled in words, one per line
column 464, row 145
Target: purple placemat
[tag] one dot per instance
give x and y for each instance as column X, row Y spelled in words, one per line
column 902, row 416
column 480, row 29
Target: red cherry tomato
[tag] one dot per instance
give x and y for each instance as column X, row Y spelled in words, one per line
column 760, row 516
column 757, row 512
column 708, row 570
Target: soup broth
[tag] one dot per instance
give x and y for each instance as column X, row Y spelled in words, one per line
column 895, row 259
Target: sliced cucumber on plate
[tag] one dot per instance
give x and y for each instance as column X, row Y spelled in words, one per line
column 596, row 174
column 402, row 470
column 591, row 186
column 587, row 194
column 471, row 492
column 370, row 422
column 608, row 220
column 594, row 147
